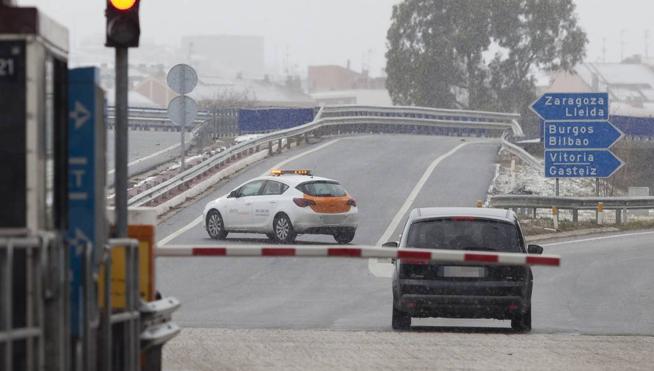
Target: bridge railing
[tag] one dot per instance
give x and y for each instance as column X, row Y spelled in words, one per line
column 341, row 116
column 157, row 118
column 520, row 152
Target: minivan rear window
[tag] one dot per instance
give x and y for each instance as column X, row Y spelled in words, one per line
column 465, row 234
column 321, row 188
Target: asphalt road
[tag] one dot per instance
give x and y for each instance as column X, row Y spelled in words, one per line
column 604, row 286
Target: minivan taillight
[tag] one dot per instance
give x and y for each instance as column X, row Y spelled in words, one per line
column 352, row 202
column 303, row 202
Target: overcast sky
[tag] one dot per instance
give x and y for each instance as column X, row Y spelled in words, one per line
column 329, row 31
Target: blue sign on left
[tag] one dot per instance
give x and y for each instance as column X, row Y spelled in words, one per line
column 572, row 106
column 81, row 183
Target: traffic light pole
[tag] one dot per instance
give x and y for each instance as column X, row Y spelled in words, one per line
column 121, row 142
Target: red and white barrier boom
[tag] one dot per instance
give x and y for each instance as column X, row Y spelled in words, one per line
column 316, row 251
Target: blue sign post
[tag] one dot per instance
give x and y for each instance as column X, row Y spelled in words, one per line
column 577, row 135
column 86, row 182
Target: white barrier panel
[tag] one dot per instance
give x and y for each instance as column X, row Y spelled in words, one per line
column 313, row 251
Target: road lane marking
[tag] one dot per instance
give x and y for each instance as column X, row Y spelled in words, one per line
column 180, row 231
column 300, row 155
column 386, row 269
column 198, row 220
column 597, row 238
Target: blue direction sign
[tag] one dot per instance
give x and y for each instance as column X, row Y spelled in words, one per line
column 85, row 182
column 572, row 106
column 580, row 135
column 581, row 163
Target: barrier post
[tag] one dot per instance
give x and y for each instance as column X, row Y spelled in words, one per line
column 555, row 217
column 600, row 213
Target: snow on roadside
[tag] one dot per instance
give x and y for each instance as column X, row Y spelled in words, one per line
column 526, row 179
column 247, row 138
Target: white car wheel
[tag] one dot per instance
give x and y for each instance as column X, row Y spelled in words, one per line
column 283, row 229
column 215, row 225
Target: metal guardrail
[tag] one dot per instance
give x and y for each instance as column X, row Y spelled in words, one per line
column 428, row 113
column 342, row 116
column 521, row 153
column 579, row 203
column 143, row 118
column 619, row 204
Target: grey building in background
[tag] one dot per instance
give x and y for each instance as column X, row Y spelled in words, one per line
column 228, row 56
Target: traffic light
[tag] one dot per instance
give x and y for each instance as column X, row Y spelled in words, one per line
column 123, row 28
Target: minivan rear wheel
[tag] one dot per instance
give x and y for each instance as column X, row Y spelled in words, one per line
column 522, row 321
column 401, row 320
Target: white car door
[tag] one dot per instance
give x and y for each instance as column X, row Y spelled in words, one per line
column 266, row 204
column 240, row 206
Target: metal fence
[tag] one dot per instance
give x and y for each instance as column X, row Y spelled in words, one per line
column 24, row 276
column 121, row 328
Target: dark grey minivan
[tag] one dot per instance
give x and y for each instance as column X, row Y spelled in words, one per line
column 459, row 290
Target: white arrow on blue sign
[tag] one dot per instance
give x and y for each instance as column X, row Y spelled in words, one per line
column 581, row 163
column 572, row 106
column 580, row 135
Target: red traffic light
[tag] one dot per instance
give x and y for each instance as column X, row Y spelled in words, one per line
column 123, row 4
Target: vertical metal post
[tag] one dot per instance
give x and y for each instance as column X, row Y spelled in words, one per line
column 557, row 187
column 214, row 123
column 106, row 330
column 597, row 187
column 121, row 142
column 183, row 143
column 597, row 193
column 6, row 301
column 130, row 346
column 121, row 179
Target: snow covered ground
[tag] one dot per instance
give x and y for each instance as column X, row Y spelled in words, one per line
column 525, row 179
column 518, row 178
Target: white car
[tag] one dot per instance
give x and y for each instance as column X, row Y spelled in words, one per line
column 283, row 205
